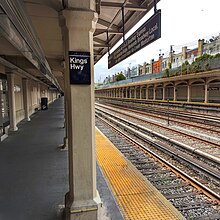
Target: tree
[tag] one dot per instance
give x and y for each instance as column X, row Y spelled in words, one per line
column 167, row 72
column 120, row 77
column 214, row 38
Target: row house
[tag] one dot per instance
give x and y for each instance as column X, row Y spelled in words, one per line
column 213, row 47
column 174, row 60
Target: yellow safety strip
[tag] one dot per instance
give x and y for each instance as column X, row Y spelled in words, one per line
column 137, row 197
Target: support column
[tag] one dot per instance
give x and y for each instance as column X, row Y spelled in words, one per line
column 126, row 93
column 82, row 201
column 64, row 146
column 164, row 93
column 135, row 92
column 12, row 107
column 206, row 93
column 38, row 95
column 188, row 92
column 130, row 92
column 25, row 98
column 147, row 94
column 154, row 93
column 140, row 92
column 174, row 92
column 66, row 119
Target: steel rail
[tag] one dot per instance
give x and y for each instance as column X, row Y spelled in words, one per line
column 204, row 118
column 166, row 128
column 208, row 192
column 163, row 117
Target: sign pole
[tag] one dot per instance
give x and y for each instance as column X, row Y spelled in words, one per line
column 108, row 42
column 155, row 6
column 123, row 22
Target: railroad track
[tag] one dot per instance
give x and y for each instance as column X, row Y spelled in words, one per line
column 201, row 146
column 213, row 130
column 185, row 192
column 163, row 145
column 178, row 106
column 178, row 114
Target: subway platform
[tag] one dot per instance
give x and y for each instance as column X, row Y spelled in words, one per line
column 34, row 172
column 34, row 175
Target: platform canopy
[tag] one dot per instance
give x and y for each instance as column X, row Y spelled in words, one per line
column 31, row 39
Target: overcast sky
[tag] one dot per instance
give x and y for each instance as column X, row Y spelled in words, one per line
column 183, row 22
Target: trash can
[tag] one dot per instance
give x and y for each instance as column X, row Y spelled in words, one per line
column 44, row 103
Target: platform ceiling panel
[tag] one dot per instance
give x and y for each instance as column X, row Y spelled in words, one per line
column 43, row 17
column 37, row 35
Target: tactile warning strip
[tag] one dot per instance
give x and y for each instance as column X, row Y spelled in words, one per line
column 136, row 196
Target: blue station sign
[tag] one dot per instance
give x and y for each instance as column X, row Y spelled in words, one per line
column 79, row 67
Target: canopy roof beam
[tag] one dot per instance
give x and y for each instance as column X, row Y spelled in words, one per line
column 102, row 31
column 129, row 6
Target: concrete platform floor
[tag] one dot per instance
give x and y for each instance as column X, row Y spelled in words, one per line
column 34, row 172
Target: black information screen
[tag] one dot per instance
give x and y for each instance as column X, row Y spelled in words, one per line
column 143, row 36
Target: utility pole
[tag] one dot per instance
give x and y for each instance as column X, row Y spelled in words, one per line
column 181, row 65
column 171, row 55
column 161, row 59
